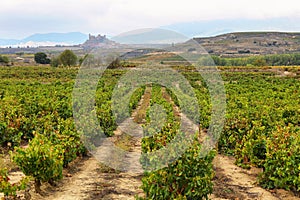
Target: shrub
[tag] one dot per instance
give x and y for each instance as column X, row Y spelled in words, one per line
column 260, row 62
column 251, row 150
column 10, row 189
column 42, row 160
column 69, row 139
column 190, row 177
column 41, row 58
column 55, row 62
column 4, row 59
column 68, row 58
column 282, row 163
column 9, row 134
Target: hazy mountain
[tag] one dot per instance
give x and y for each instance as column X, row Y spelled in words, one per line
column 217, row 27
column 38, row 39
column 187, row 29
column 150, row 36
column 72, row 38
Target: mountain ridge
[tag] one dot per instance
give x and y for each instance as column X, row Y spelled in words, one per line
column 232, row 44
column 251, row 43
column 209, row 28
column 70, row 38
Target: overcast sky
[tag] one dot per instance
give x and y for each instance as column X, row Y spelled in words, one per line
column 21, row 18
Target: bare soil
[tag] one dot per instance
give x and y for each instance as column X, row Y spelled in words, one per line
column 233, row 182
column 87, row 179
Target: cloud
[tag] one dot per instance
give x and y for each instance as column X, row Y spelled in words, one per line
column 23, row 17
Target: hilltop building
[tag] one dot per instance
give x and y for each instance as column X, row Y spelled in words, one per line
column 98, row 41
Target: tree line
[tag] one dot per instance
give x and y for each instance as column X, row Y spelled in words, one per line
column 262, row 60
column 69, row 58
column 66, row 58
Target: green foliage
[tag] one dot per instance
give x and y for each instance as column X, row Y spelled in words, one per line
column 81, row 60
column 260, row 62
column 205, row 60
column 55, row 62
column 282, row 163
column 34, row 76
column 257, row 104
column 190, row 176
column 41, row 58
column 67, row 137
column 135, row 98
column 11, row 189
column 251, row 150
column 270, row 60
column 20, row 53
column 39, row 99
column 41, row 160
column 10, row 133
column 103, row 102
column 68, row 58
column 4, row 59
column 27, row 107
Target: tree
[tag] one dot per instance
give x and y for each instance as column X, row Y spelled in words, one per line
column 41, row 58
column 20, row 53
column 260, row 62
column 68, row 58
column 55, row 62
column 4, row 59
column 206, row 60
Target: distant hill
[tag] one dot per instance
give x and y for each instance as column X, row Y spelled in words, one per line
column 38, row 39
column 222, row 26
column 72, row 37
column 150, row 36
column 251, row 43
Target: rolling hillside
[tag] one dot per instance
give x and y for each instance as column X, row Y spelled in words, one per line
column 251, row 43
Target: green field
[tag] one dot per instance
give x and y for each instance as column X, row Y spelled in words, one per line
column 261, row 127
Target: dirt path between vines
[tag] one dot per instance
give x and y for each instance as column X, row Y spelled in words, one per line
column 87, row 179
column 233, row 182
column 91, row 182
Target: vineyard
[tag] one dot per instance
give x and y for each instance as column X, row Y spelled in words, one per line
column 38, row 135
